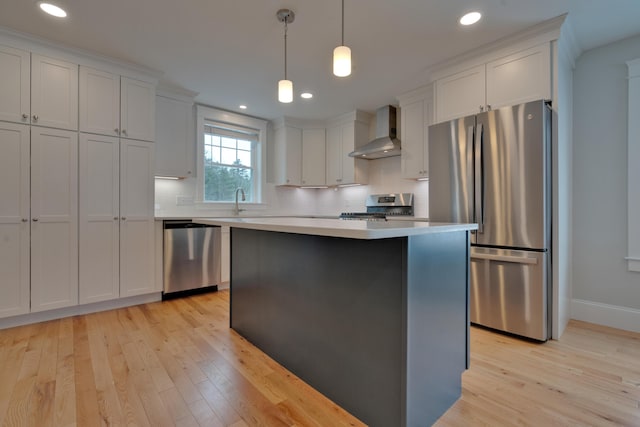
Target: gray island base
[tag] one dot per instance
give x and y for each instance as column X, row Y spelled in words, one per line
column 377, row 322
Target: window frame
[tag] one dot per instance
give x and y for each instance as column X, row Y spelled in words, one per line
column 633, row 177
column 208, row 115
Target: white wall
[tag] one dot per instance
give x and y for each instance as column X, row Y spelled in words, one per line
column 604, row 291
column 384, row 177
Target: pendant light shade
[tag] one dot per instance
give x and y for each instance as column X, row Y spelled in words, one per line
column 285, row 86
column 342, row 55
column 285, row 91
column 342, row 61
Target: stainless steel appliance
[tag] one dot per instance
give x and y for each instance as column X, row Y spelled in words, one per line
column 382, row 206
column 191, row 258
column 494, row 169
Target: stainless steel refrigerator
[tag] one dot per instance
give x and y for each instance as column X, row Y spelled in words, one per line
column 494, row 169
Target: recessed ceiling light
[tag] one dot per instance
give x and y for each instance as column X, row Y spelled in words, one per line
column 306, row 95
column 470, row 18
column 53, row 10
column 242, row 107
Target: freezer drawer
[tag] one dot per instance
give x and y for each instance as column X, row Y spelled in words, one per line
column 509, row 291
column 191, row 257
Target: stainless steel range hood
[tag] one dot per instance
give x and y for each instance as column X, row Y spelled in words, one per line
column 386, row 144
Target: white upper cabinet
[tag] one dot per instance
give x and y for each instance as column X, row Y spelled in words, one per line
column 15, row 85
column 313, row 157
column 460, row 94
column 99, row 102
column 343, row 136
column 175, row 142
column 509, row 80
column 54, row 218
column 521, row 77
column 288, row 156
column 116, row 106
column 14, row 219
column 54, row 93
column 416, row 112
column 137, row 109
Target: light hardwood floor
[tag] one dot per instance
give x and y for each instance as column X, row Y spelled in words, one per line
column 178, row 363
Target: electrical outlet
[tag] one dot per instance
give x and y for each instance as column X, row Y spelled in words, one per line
column 184, row 200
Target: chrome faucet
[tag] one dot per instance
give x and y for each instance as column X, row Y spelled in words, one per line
column 237, row 209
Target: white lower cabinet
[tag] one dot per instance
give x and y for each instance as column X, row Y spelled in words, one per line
column 99, row 218
column 137, row 166
column 116, row 218
column 14, row 219
column 54, row 218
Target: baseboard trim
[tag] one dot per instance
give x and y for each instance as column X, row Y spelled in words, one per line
column 614, row 316
column 75, row 310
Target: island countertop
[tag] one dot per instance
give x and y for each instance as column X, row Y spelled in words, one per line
column 352, row 229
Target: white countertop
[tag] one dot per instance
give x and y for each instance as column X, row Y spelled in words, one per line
column 338, row 228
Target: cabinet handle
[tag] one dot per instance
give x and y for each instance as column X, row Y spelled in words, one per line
column 115, row 218
column 481, row 108
column 488, row 107
column 124, row 131
column 124, row 218
column 339, row 180
column 25, row 116
column 25, row 220
column 35, row 219
column 35, row 117
column 117, row 131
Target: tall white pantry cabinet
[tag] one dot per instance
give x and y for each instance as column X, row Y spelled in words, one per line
column 38, row 218
column 57, row 182
column 116, row 186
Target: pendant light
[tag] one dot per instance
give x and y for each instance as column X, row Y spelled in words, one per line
column 285, row 87
column 342, row 55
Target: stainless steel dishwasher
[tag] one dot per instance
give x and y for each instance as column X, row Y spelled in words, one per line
column 191, row 258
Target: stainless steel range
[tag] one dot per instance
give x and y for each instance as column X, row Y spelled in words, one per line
column 381, row 207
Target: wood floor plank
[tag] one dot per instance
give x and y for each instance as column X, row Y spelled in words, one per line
column 177, row 363
column 65, row 388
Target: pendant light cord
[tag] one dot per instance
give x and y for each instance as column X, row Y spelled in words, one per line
column 286, row 19
column 342, row 22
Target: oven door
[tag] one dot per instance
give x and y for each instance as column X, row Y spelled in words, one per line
column 509, row 291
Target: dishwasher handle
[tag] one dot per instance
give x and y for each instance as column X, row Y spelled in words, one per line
column 176, row 224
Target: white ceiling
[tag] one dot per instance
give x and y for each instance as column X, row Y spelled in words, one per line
column 231, row 51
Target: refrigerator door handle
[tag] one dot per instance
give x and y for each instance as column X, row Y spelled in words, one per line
column 479, row 178
column 505, row 258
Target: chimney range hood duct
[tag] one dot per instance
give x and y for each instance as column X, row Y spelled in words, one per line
column 386, row 144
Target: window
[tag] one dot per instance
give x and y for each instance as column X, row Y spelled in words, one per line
column 230, row 156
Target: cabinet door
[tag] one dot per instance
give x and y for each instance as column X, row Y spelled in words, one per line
column 348, row 145
column 137, row 163
column 313, row 157
column 521, row 77
column 54, row 218
column 137, row 109
column 99, row 102
column 14, row 85
column 413, row 140
column 288, row 154
column 334, row 155
column 14, row 219
column 99, row 218
column 354, row 171
column 175, row 154
column 460, row 94
column 54, row 93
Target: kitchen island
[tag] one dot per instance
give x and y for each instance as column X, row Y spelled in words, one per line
column 373, row 314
